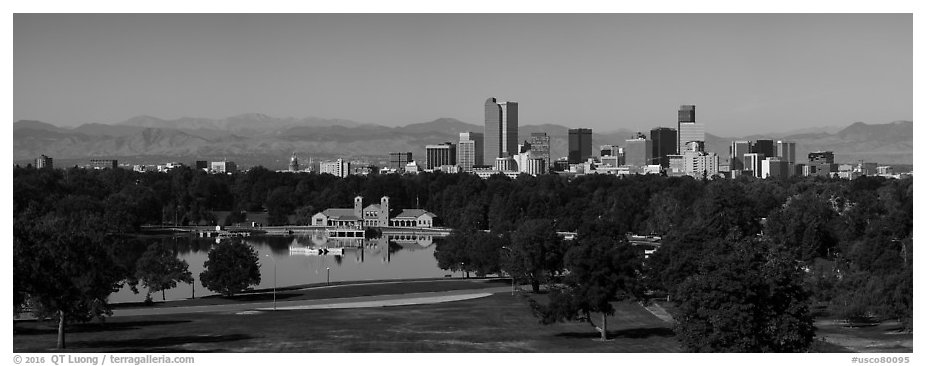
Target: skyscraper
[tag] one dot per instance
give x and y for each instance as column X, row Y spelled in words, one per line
column 664, row 144
column 764, row 147
column 737, row 150
column 293, row 163
column 44, row 162
column 501, row 129
column 442, row 154
column 688, row 130
column 786, row 151
column 638, row 152
column 540, row 145
column 580, row 145
column 753, row 163
column 469, row 150
column 398, row 160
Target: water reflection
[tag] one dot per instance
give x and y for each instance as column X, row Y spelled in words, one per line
column 300, row 260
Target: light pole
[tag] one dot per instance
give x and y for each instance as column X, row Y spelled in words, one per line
column 274, row 280
column 328, row 281
column 510, row 274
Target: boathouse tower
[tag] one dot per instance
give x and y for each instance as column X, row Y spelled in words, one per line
column 383, row 216
column 358, row 207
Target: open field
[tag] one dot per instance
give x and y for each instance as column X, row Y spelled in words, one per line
column 497, row 323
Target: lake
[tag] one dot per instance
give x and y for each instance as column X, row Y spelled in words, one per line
column 401, row 257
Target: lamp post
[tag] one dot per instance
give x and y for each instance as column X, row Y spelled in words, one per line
column 510, row 274
column 328, row 281
column 274, row 280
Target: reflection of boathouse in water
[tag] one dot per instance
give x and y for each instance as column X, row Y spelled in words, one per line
column 319, row 244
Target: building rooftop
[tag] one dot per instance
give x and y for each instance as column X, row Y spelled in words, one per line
column 413, row 214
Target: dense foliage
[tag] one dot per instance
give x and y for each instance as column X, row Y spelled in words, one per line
column 232, row 267
column 850, row 241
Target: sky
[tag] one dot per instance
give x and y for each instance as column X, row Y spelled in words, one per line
column 746, row 73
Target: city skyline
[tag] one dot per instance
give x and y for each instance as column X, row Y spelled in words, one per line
column 806, row 71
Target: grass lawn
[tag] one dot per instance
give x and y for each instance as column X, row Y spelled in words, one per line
column 498, row 323
column 336, row 290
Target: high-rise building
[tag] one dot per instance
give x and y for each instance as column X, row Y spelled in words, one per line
column 470, row 150
column 820, row 163
column 293, row 163
column 501, row 129
column 775, row 167
column 202, row 165
column 638, row 152
column 737, row 150
column 820, row 157
column 398, row 160
column 441, row 154
column 44, row 162
column 607, row 150
column 697, row 163
column 104, row 164
column 664, row 144
column 580, row 145
column 222, row 167
column 688, row 129
column 764, row 147
column 337, row 168
column 753, row 162
column 540, row 145
column 786, row 152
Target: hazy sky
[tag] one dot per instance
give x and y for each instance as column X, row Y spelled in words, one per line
column 746, row 73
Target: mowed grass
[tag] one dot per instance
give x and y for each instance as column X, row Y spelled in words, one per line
column 497, row 323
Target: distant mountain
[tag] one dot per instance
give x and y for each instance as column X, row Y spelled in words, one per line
column 890, row 143
column 251, row 135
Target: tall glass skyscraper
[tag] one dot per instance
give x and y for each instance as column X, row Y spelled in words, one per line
column 580, row 145
column 501, row 129
column 664, row 144
column 688, row 130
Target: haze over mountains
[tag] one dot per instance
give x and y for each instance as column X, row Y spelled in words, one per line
column 261, row 135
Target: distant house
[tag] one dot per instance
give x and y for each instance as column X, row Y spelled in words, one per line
column 413, row 218
column 375, row 215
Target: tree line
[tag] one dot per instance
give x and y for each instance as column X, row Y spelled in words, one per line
column 845, row 245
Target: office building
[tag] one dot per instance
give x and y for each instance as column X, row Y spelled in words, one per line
column 764, row 147
column 688, row 129
column 737, row 150
column 337, row 168
column 580, row 145
column 786, row 151
column 470, row 150
column 607, row 150
column 398, row 160
column 202, row 165
column 44, row 162
column 820, row 163
column 752, row 162
column 664, row 142
column 104, row 164
column 223, row 167
column 638, row 152
column 775, row 167
column 293, row 163
column 506, row 164
column 540, row 145
column 501, row 129
column 442, row 154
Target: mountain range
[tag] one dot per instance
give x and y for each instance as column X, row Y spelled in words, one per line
column 258, row 135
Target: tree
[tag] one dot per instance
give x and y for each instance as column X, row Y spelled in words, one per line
column 474, row 251
column 600, row 270
column 803, row 225
column 745, row 297
column 159, row 269
column 536, row 252
column 232, row 267
column 66, row 270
